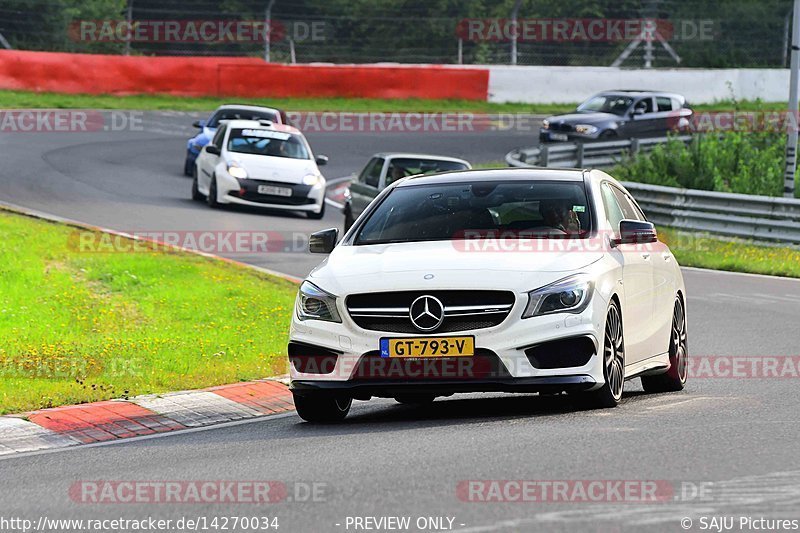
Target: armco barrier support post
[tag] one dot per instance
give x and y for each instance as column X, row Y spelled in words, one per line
column 634, row 147
column 544, row 156
column 579, row 156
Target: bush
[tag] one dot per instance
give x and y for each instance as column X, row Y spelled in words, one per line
column 740, row 162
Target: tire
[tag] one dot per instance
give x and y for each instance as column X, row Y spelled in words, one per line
column 415, row 399
column 321, row 408
column 610, row 394
column 211, row 199
column 349, row 220
column 673, row 379
column 317, row 216
column 197, row 196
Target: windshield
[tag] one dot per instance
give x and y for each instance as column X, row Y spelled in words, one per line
column 241, row 114
column 402, row 167
column 617, row 104
column 267, row 142
column 453, row 211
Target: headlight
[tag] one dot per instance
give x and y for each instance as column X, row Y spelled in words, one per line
column 315, row 304
column 236, row 170
column 586, row 129
column 569, row 295
column 310, row 179
column 545, row 124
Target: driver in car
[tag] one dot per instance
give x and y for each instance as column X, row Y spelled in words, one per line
column 557, row 214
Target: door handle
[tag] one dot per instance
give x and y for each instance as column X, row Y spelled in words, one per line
column 667, row 256
column 646, row 256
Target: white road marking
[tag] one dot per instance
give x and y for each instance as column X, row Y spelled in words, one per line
column 19, row 436
column 194, row 409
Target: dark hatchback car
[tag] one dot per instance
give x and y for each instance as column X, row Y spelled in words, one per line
column 619, row 114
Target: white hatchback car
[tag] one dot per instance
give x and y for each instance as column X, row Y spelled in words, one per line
column 260, row 164
column 515, row 280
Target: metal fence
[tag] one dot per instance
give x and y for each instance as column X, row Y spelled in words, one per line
column 579, row 155
column 692, row 34
column 733, row 215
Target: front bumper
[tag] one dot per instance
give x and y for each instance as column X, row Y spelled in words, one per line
column 504, row 360
column 245, row 192
column 548, row 136
column 391, row 388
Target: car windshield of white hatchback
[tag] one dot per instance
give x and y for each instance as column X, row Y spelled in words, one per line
column 241, row 114
column 455, row 211
column 267, row 142
column 609, row 103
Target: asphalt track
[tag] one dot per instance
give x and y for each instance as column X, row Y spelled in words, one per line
column 736, row 437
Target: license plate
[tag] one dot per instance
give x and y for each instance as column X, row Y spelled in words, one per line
column 274, row 191
column 559, row 136
column 428, row 347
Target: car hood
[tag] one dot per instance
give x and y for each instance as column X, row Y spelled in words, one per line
column 408, row 266
column 585, row 118
column 260, row 167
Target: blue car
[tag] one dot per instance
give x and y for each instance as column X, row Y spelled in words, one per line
column 226, row 112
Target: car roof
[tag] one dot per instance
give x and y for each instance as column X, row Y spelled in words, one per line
column 410, row 155
column 259, row 125
column 249, row 107
column 637, row 92
column 504, row 174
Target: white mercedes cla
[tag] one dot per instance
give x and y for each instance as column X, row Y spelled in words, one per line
column 514, row 280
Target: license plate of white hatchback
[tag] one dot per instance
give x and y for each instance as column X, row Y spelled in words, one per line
column 274, row 191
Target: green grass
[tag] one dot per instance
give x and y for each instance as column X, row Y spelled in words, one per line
column 705, row 251
column 34, row 100
column 79, row 327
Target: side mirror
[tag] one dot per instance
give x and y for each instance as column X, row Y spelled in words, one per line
column 213, row 149
column 199, row 123
column 322, row 160
column 635, row 232
column 323, row 242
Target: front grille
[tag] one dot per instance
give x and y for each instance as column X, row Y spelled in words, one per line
column 464, row 310
column 560, row 126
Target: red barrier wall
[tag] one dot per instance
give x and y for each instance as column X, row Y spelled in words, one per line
column 224, row 76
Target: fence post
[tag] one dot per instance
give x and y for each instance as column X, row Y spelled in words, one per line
column 634, row 147
column 579, row 156
column 544, row 156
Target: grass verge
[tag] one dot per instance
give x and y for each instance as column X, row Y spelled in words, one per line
column 35, row 100
column 80, row 327
column 705, row 251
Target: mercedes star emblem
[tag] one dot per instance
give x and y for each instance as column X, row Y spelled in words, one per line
column 426, row 313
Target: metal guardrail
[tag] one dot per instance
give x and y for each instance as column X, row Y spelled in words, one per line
column 580, row 155
column 733, row 215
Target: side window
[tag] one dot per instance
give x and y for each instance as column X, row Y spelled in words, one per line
column 645, row 104
column 664, row 103
column 628, row 208
column 371, row 174
column 613, row 211
column 217, row 141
